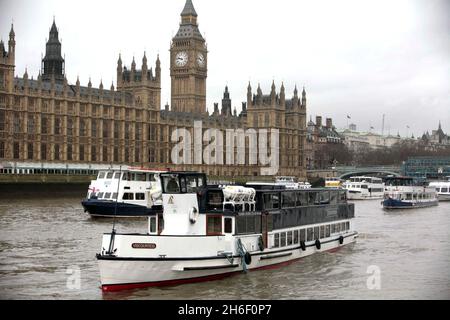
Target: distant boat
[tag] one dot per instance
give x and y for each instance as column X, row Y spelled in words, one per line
column 359, row 188
column 404, row 193
column 442, row 190
column 131, row 192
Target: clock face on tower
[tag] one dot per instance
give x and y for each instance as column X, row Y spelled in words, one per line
column 200, row 60
column 181, row 59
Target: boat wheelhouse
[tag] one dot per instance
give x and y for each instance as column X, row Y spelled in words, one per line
column 207, row 232
column 442, row 189
column 405, row 193
column 137, row 191
column 362, row 187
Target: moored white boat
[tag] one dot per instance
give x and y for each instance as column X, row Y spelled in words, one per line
column 137, row 191
column 205, row 233
column 442, row 189
column 363, row 188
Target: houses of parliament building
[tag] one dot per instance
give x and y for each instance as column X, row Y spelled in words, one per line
column 48, row 120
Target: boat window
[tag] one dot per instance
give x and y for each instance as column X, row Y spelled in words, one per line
column 322, row 232
column 343, row 226
column 338, row 227
column 302, row 199
column 333, row 228
column 282, row 239
column 139, row 177
column 408, row 196
column 288, row 199
column 101, row 175
column 347, row 225
column 310, row 234
column 364, row 186
column 114, row 195
column 327, row 230
column 276, row 240
column 214, row 225
column 248, row 224
column 312, row 198
column 215, row 199
column 151, row 177
column 437, row 189
column 128, row 196
column 107, row 195
column 289, row 238
column 342, row 196
column 324, row 197
column 109, row 175
column 189, row 184
column 117, row 175
column 271, row 201
column 302, row 235
column 444, row 190
column 171, row 184
column 333, row 197
column 228, row 225
column 152, row 224
column 100, row 195
column 140, row 196
column 296, row 236
column 160, row 223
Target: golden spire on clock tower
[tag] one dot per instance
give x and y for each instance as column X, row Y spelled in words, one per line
column 188, row 64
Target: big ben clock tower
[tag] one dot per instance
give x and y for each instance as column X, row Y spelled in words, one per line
column 188, row 65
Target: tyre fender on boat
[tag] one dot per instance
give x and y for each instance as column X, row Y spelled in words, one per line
column 193, row 215
column 318, row 244
column 261, row 243
column 247, row 258
column 341, row 240
column 303, row 245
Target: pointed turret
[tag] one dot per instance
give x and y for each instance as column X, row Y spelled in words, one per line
column 53, row 62
column 304, row 98
column 112, row 86
column 282, row 96
column 158, row 69
column 12, row 45
column 249, row 95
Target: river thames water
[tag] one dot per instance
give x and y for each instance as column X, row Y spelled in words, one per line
column 44, row 242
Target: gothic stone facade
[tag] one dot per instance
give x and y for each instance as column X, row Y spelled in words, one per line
column 49, row 120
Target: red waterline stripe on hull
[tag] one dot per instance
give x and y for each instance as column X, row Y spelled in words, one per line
column 130, row 286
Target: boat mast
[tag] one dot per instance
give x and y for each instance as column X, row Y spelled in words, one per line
column 113, row 232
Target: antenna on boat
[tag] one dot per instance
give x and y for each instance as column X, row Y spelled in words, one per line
column 113, row 232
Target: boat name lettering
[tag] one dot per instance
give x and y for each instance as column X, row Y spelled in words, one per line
column 143, row 246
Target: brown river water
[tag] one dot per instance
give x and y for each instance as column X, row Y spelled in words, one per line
column 48, row 247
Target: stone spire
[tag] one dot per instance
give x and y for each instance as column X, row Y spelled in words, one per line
column 53, row 62
column 189, row 9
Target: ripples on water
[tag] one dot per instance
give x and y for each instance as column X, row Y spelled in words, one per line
column 40, row 239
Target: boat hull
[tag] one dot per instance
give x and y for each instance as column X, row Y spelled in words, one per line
column 130, row 273
column 391, row 204
column 107, row 209
column 443, row 197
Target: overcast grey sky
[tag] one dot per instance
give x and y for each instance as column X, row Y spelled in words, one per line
column 357, row 58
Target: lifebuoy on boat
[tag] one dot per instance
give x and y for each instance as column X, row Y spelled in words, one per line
column 303, row 245
column 341, row 240
column 193, row 215
column 247, row 258
column 318, row 244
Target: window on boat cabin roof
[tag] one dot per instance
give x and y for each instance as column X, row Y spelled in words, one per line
column 109, row 175
column 128, row 196
column 140, row 196
column 117, row 175
column 101, row 174
column 228, row 225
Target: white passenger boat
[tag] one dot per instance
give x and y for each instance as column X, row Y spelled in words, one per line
column 137, row 191
column 442, row 189
column 359, row 188
column 290, row 183
column 405, row 193
column 209, row 232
